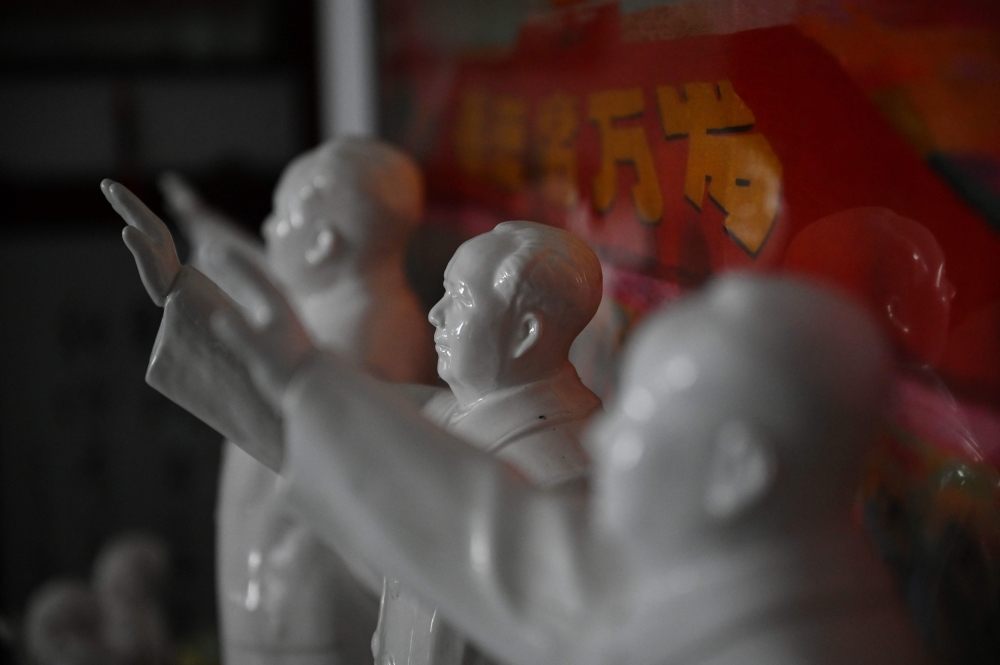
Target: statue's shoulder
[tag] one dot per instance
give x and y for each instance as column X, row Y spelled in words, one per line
column 440, row 407
column 548, row 455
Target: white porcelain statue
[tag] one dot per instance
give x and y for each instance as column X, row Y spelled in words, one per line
column 515, row 299
column 129, row 579
column 342, row 216
column 718, row 528
column 63, row 626
column 118, row 619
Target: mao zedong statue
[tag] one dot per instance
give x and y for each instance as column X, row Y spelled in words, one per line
column 717, row 529
column 515, row 299
column 335, row 242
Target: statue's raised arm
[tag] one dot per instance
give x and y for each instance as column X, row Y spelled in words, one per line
column 188, row 364
column 335, row 242
column 273, row 331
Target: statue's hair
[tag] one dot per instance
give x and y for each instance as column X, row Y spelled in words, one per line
column 381, row 186
column 803, row 363
column 385, row 175
column 551, row 271
column 785, row 368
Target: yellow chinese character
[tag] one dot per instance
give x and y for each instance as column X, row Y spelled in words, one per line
column 624, row 145
column 556, row 127
column 744, row 178
column 471, row 141
column 702, row 108
column 491, row 137
column 509, row 140
column 743, row 173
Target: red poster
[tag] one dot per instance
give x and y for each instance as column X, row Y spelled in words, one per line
column 689, row 139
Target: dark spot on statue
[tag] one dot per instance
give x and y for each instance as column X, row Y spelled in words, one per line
column 541, row 417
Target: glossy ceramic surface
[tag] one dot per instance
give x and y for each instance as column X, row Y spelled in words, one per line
column 335, row 241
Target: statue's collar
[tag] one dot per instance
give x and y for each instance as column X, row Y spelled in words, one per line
column 511, row 413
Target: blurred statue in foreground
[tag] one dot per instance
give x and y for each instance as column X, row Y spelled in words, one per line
column 718, row 528
column 342, row 216
column 119, row 620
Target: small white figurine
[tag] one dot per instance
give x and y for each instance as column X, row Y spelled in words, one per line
column 515, row 299
column 63, row 626
column 718, row 530
column 129, row 576
column 343, row 214
column 118, row 620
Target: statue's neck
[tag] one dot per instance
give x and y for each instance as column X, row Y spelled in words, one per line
column 818, row 579
column 505, row 383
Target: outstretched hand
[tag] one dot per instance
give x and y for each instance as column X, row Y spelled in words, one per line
column 270, row 340
column 149, row 240
column 182, row 200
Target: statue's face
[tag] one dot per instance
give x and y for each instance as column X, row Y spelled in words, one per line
column 675, row 455
column 471, row 327
column 650, row 451
column 892, row 265
column 298, row 232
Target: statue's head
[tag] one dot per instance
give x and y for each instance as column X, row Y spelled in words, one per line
column 343, row 206
column 131, row 568
column 743, row 415
column 515, row 299
column 892, row 265
column 63, row 625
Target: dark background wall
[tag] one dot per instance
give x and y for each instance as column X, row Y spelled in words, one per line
column 222, row 91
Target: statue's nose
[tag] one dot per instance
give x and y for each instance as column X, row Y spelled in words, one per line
column 435, row 315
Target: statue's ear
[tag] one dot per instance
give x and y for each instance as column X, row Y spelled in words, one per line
column 741, row 471
column 323, row 246
column 526, row 334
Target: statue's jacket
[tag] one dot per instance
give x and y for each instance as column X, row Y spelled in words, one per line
column 280, row 589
